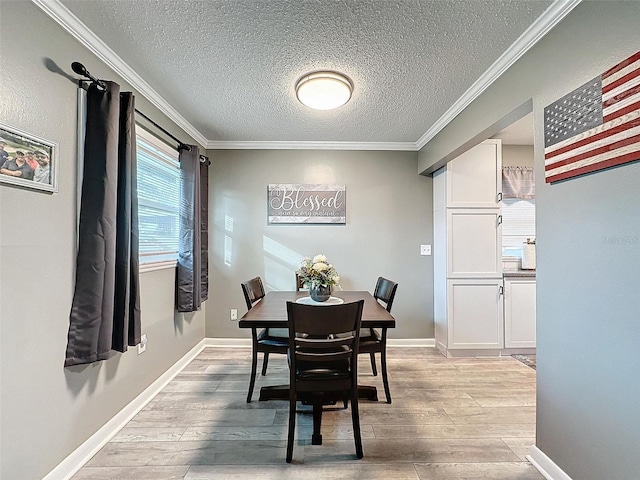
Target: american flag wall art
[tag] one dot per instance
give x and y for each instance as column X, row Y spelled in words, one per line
column 596, row 126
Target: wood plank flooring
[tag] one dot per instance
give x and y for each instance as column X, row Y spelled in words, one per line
column 451, row 419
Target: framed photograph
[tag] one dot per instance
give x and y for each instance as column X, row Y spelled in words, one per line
column 27, row 161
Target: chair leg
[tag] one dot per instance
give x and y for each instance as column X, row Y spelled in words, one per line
column 254, row 364
column 355, row 419
column 292, row 426
column 316, row 438
column 383, row 363
column 264, row 363
column 373, row 364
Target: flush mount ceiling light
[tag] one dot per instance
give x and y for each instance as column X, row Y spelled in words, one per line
column 324, row 90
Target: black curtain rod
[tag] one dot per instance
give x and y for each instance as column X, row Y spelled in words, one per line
column 181, row 145
column 80, row 69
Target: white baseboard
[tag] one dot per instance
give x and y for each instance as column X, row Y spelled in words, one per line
column 246, row 342
column 228, row 342
column 81, row 455
column 545, row 465
column 411, row 342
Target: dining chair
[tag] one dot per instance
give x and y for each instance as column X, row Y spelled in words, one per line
column 371, row 341
column 323, row 362
column 267, row 340
column 299, row 283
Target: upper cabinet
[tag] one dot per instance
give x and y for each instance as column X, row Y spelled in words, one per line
column 474, row 243
column 474, row 179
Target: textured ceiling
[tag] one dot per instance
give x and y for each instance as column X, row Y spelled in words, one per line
column 229, row 66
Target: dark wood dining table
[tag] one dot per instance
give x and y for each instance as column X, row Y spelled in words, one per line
column 271, row 312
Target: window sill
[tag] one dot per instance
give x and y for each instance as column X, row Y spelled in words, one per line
column 159, row 265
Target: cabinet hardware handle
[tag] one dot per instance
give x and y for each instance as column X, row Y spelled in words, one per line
column 499, row 219
column 500, row 290
column 499, row 197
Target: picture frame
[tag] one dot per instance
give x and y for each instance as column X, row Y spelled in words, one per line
column 27, row 160
column 311, row 204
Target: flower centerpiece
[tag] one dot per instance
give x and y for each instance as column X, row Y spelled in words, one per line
column 319, row 276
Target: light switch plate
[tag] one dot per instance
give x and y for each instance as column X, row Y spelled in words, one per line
column 234, row 314
column 425, row 249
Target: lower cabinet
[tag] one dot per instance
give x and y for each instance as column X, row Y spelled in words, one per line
column 474, row 309
column 486, row 316
column 519, row 313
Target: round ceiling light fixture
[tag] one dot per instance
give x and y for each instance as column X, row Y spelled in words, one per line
column 324, row 90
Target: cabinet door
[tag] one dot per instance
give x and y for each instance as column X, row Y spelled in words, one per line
column 474, row 243
column 519, row 313
column 474, row 179
column 475, row 314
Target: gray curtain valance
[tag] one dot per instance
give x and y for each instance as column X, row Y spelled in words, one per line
column 518, row 182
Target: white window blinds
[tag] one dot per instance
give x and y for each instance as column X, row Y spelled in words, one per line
column 158, row 198
column 518, row 224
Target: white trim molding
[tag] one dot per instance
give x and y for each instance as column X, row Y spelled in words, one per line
column 72, row 24
column 78, row 30
column 545, row 465
column 371, row 146
column 549, row 19
column 81, row 455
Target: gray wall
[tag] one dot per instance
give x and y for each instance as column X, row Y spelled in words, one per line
column 47, row 411
column 588, row 256
column 517, row 156
column 388, row 217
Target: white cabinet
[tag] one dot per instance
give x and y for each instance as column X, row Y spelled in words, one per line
column 475, row 310
column 474, row 243
column 474, row 179
column 468, row 305
column 519, row 313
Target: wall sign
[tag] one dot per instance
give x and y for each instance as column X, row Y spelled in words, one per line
column 596, row 126
column 304, row 203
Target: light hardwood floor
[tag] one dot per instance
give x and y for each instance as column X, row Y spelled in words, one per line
column 461, row 419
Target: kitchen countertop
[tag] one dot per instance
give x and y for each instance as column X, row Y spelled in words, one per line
column 519, row 273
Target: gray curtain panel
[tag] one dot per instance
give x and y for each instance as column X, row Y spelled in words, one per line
column 192, row 283
column 105, row 313
column 204, row 230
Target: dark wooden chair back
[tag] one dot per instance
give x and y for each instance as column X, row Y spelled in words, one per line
column 253, row 291
column 323, row 358
column 385, row 291
column 299, row 284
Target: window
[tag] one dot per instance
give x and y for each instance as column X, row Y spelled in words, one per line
column 158, row 199
column 518, row 224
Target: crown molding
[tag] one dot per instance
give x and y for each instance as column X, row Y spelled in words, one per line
column 396, row 146
column 78, row 30
column 549, row 19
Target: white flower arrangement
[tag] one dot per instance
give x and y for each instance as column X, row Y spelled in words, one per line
column 317, row 271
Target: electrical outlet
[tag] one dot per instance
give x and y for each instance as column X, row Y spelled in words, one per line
column 425, row 249
column 142, row 346
column 234, row 314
